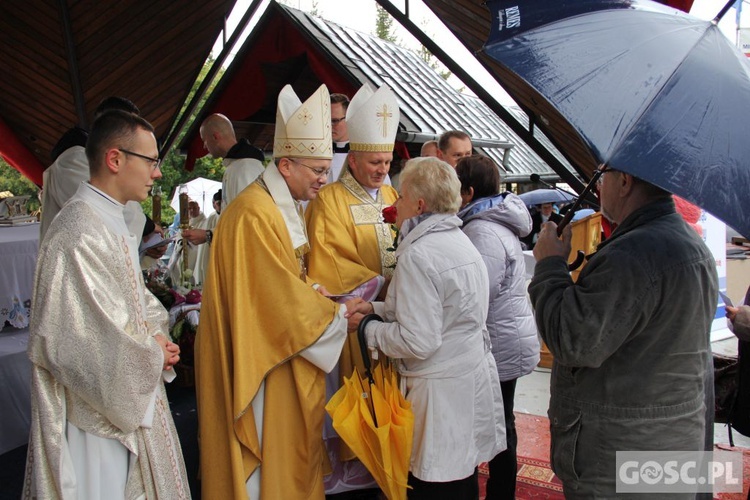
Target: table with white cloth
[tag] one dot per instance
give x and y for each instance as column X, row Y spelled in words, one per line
column 18, row 251
column 15, row 389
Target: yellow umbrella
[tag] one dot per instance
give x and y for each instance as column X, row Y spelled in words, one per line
column 374, row 419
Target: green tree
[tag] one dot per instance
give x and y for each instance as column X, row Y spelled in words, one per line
column 13, row 181
column 172, row 167
column 430, row 58
column 384, row 26
column 173, row 164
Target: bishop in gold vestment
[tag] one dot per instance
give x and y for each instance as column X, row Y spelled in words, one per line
column 266, row 336
column 349, row 240
column 352, row 250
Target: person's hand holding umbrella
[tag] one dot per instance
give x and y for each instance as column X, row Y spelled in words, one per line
column 548, row 244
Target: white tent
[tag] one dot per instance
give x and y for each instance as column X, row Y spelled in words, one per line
column 201, row 190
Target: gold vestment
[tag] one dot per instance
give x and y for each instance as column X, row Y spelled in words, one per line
column 257, row 316
column 349, row 240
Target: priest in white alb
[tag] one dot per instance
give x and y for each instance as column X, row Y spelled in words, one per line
column 100, row 420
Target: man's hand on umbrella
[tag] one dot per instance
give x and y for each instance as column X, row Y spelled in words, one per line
column 548, row 244
column 194, row 236
column 731, row 312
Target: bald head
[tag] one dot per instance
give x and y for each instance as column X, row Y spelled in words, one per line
column 218, row 136
column 429, row 148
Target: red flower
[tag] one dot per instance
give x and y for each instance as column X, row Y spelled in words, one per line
column 389, row 214
column 193, row 297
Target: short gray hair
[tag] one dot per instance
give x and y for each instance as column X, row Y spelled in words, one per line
column 435, row 182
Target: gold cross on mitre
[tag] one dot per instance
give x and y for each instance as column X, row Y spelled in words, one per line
column 384, row 114
column 305, row 116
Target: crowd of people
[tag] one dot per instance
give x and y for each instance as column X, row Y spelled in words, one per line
column 298, row 257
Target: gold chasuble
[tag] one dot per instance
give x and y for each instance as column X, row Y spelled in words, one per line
column 349, row 244
column 349, row 240
column 257, row 316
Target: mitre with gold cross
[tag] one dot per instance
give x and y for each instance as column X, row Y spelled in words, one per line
column 303, row 130
column 372, row 119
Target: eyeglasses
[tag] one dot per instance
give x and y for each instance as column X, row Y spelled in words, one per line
column 601, row 176
column 319, row 172
column 336, row 121
column 156, row 162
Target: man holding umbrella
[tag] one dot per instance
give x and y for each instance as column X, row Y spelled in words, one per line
column 630, row 338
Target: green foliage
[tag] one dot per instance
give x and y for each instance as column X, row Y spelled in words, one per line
column 173, row 174
column 172, row 167
column 430, row 58
column 384, row 26
column 12, row 180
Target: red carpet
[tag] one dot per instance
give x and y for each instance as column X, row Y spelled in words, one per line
column 745, row 474
column 534, row 480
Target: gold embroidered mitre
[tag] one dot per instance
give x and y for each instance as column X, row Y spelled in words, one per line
column 372, row 119
column 303, row 130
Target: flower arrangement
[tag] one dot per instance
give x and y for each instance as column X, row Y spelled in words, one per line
column 183, row 334
column 160, row 284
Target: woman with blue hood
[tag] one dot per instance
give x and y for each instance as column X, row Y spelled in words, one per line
column 494, row 221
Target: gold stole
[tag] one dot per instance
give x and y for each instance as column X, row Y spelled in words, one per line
column 370, row 212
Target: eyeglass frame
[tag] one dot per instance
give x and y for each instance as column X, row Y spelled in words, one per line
column 156, row 161
column 600, row 178
column 315, row 170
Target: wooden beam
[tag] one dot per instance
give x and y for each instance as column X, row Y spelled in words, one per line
column 75, row 74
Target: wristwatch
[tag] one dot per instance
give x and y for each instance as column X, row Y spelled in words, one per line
column 209, row 236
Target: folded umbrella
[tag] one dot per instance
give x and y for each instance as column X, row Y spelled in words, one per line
column 374, row 419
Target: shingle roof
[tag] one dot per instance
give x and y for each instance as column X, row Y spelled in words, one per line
column 429, row 104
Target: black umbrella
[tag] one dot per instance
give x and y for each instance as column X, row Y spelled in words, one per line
column 649, row 90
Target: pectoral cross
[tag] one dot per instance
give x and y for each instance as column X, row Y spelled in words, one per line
column 384, row 115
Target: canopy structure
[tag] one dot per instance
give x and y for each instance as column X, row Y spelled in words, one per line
column 288, row 46
column 62, row 57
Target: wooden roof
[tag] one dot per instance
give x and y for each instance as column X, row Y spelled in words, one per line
column 60, row 58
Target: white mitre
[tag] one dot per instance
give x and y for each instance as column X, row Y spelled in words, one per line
column 303, row 130
column 372, row 119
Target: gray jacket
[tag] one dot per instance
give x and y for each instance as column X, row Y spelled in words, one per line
column 630, row 340
column 494, row 225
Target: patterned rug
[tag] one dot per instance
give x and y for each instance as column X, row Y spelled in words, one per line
column 535, row 480
column 745, row 474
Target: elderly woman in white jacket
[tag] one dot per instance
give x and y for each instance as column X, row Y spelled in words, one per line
column 434, row 325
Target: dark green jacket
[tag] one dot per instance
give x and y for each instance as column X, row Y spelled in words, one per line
column 631, row 346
